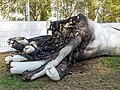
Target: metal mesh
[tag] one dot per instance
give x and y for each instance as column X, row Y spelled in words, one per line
column 26, row 29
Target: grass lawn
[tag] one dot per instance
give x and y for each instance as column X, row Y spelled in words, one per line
column 98, row 74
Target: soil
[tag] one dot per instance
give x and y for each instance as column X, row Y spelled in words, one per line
column 85, row 75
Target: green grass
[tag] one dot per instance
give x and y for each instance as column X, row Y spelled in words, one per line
column 86, row 81
column 111, row 62
column 16, row 83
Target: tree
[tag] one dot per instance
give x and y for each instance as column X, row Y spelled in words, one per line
column 110, row 12
column 39, row 9
column 67, row 8
column 12, row 6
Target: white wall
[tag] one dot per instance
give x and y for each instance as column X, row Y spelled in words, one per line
column 26, row 29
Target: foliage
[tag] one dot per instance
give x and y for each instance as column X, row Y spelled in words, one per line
column 110, row 11
column 67, row 8
column 12, row 6
column 39, row 9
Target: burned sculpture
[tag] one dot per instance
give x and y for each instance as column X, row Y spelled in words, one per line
column 74, row 39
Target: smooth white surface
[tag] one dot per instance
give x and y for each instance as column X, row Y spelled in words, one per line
column 106, row 40
column 15, row 58
column 53, row 74
column 20, row 67
column 28, row 49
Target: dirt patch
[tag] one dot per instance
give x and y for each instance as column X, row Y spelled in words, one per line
column 86, row 75
column 91, row 66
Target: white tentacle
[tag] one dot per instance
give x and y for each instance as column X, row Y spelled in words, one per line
column 53, row 74
column 15, row 58
column 62, row 54
column 20, row 67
